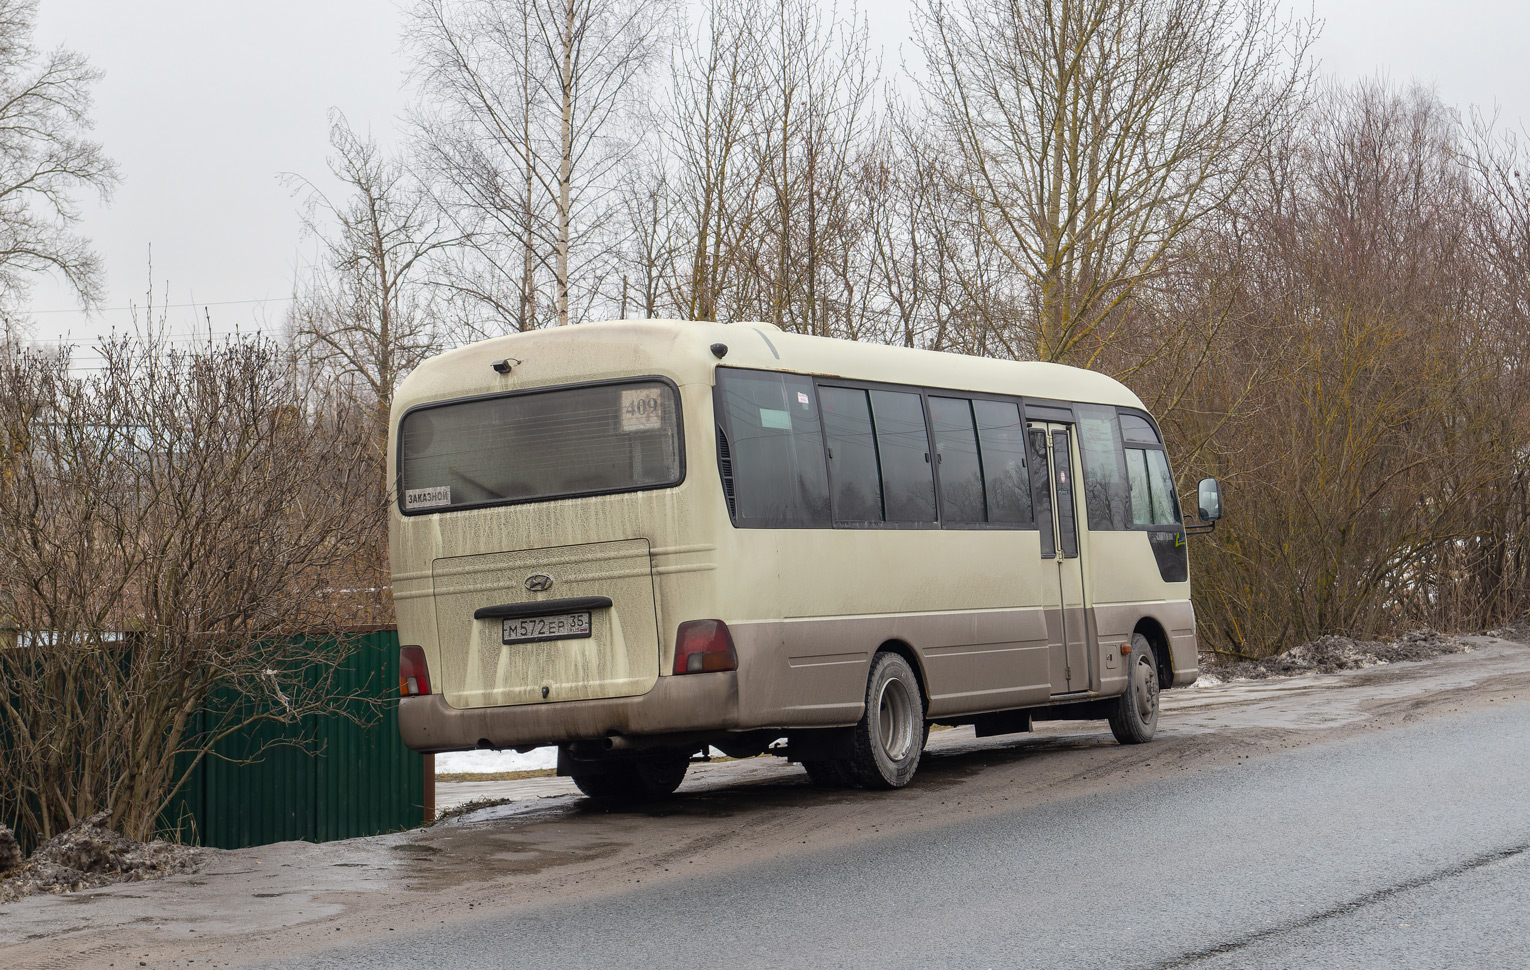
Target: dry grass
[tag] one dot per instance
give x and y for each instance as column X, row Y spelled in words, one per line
column 495, row 775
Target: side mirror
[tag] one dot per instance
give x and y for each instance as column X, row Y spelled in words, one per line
column 1210, row 500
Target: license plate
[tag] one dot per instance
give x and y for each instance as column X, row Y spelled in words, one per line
column 560, row 626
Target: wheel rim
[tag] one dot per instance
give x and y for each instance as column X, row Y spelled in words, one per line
column 895, row 722
column 1145, row 686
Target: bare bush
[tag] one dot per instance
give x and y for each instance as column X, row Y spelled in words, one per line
column 168, row 525
column 1363, row 411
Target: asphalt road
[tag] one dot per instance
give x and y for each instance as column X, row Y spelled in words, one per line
column 1406, row 849
column 1372, row 818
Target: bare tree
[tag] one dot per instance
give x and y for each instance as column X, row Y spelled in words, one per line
column 649, row 249
column 711, row 119
column 365, row 313
column 1095, row 132
column 45, row 156
column 815, row 77
column 517, row 127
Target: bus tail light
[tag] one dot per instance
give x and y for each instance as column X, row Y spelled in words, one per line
column 704, row 645
column 413, row 678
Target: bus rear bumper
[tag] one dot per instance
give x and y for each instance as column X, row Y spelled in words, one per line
column 693, row 703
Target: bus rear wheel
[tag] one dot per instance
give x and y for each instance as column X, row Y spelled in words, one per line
column 1135, row 719
column 829, row 772
column 652, row 775
column 890, row 736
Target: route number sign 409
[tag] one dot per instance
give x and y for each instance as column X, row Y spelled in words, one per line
column 642, row 409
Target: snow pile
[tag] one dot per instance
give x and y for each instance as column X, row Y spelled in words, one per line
column 10, row 850
column 86, row 857
column 495, row 762
column 1518, row 630
column 1330, row 654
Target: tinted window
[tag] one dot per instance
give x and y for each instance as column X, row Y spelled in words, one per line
column 1002, row 438
column 908, row 484
column 549, row 444
column 1041, row 486
column 772, row 449
column 1062, row 469
column 855, row 485
column 1136, row 428
column 956, row 448
column 1153, row 498
column 1099, row 445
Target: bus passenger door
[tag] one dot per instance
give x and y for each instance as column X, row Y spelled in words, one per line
column 1062, row 574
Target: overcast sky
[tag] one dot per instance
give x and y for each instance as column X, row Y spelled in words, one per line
column 204, row 104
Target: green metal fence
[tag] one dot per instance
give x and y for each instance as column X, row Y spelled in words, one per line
column 345, row 780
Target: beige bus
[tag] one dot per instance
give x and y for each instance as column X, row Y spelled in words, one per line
column 636, row 540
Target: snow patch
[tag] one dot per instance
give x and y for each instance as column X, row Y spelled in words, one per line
column 494, row 762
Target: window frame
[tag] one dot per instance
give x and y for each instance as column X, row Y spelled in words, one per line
column 724, row 421
column 853, row 385
column 1021, row 403
column 1158, row 446
column 680, row 457
column 1046, row 410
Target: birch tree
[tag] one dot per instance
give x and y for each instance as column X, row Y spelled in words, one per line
column 364, row 312
column 519, row 127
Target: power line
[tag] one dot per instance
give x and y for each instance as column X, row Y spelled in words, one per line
column 171, row 306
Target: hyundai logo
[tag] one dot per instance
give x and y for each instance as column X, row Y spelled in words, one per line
column 540, row 583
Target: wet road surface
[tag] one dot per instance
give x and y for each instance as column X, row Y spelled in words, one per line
column 1376, row 818
column 1407, row 849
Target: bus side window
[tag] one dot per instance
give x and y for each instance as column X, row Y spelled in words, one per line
column 1006, row 484
column 1153, row 498
column 854, row 481
column 774, row 448
column 908, row 483
column 1105, row 490
column 1041, row 487
column 1153, row 501
column 962, row 499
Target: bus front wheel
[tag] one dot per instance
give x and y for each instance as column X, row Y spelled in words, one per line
column 1136, row 715
column 890, row 736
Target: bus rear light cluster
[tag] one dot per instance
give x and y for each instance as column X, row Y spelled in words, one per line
column 702, row 645
column 413, row 677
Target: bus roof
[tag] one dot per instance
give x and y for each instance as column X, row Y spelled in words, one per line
column 682, row 350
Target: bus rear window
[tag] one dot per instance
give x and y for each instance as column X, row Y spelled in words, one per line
column 540, row 445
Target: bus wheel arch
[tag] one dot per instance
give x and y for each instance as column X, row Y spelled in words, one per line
column 908, row 653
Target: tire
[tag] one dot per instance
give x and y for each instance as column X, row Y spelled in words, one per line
column 890, row 736
column 829, row 773
column 638, row 779
column 1135, row 719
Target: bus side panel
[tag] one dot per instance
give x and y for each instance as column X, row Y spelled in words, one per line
column 1125, row 587
column 967, row 602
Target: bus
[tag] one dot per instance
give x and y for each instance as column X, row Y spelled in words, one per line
column 639, row 540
